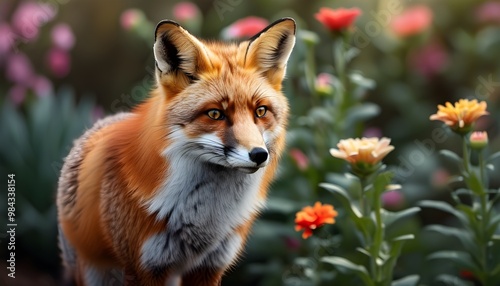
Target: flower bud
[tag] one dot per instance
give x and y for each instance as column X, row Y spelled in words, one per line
column 478, row 140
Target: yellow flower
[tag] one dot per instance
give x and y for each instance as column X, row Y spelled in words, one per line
column 461, row 115
column 363, row 154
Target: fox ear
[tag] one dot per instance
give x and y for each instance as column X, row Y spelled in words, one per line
column 176, row 50
column 270, row 49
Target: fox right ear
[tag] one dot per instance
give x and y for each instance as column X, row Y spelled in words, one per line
column 177, row 52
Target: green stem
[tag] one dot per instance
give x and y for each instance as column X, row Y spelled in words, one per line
column 379, row 238
column 363, row 201
column 484, row 239
column 466, row 156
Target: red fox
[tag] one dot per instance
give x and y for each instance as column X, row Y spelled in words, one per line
column 167, row 194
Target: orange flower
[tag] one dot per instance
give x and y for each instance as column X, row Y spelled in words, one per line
column 461, row 115
column 311, row 218
column 412, row 21
column 337, row 19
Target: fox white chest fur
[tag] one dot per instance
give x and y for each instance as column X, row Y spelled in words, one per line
column 169, row 191
column 218, row 199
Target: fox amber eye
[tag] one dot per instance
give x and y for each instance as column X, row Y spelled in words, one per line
column 260, row 111
column 215, row 114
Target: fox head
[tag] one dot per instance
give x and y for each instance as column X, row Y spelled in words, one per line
column 223, row 101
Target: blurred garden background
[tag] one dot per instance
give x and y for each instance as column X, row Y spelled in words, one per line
column 66, row 63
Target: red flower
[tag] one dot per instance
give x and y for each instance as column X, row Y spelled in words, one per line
column 311, row 218
column 337, row 19
column 412, row 21
column 245, row 28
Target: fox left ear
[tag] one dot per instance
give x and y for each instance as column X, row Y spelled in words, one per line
column 179, row 56
column 270, row 49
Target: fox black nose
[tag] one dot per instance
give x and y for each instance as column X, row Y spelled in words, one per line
column 258, row 155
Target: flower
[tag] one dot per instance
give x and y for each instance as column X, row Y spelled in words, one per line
column 245, row 28
column 363, row 154
column 41, row 86
column 29, row 17
column 412, row 21
column 7, row 39
column 324, row 83
column 59, row 62
column 131, row 19
column 62, row 37
column 462, row 115
column 19, row 69
column 429, row 60
column 478, row 140
column 488, row 12
column 311, row 218
column 17, row 94
column 300, row 158
column 185, row 11
column 337, row 19
column 392, row 199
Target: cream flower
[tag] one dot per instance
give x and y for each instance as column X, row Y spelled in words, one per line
column 363, row 154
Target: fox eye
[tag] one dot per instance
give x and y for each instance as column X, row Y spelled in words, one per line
column 215, row 114
column 260, row 111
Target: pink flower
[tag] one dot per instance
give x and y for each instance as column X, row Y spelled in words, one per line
column 412, row 21
column 185, row 11
column 488, row 12
column 131, row 18
column 29, row 17
column 17, row 94
column 7, row 39
column 324, row 83
column 440, row 178
column 337, row 19
column 245, row 28
column 19, row 69
column 62, row 37
column 429, row 60
column 59, row 62
column 393, row 199
column 41, row 86
column 300, row 158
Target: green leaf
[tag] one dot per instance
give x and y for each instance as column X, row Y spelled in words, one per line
column 381, row 181
column 451, row 157
column 463, row 236
column 463, row 259
column 451, row 280
column 493, row 157
column 345, row 200
column 281, row 205
column 410, row 280
column 474, row 183
column 362, row 81
column 404, row 237
column 391, row 217
column 346, row 266
column 442, row 206
column 361, row 112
